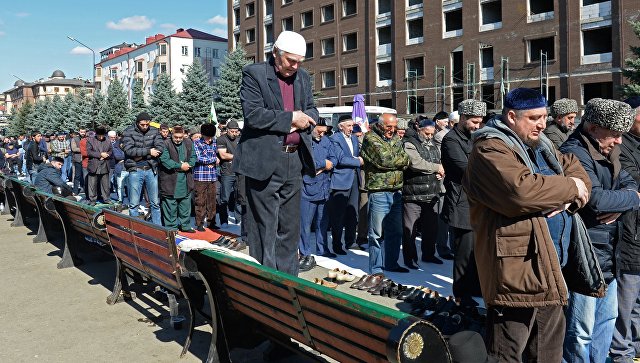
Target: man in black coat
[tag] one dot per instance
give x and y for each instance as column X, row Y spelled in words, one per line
column 50, row 175
column 99, row 150
column 456, row 147
column 34, row 156
column 274, row 150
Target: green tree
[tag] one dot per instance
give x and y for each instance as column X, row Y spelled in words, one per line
column 38, row 118
column 137, row 100
column 632, row 67
column 98, row 116
column 20, row 120
column 68, row 112
column 55, row 114
column 82, row 110
column 163, row 106
column 226, row 89
column 115, row 112
column 195, row 99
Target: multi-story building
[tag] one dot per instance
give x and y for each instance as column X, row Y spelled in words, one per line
column 422, row 56
column 41, row 89
column 172, row 54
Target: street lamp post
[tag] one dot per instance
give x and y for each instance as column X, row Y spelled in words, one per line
column 93, row 79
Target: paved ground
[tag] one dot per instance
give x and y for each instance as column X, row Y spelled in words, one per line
column 51, row 315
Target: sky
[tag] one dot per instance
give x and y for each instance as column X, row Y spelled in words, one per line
column 33, row 34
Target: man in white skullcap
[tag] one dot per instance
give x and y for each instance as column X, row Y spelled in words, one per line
column 275, row 150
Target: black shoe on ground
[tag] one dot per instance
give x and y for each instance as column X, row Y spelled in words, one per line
column 329, row 255
column 446, row 256
column 397, row 269
column 412, row 265
column 213, row 226
column 307, row 263
column 201, row 228
column 432, row 259
column 339, row 251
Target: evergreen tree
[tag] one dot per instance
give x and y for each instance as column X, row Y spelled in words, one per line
column 195, row 99
column 37, row 119
column 163, row 106
column 98, row 116
column 68, row 112
column 115, row 112
column 227, row 88
column 55, row 114
column 82, row 110
column 20, row 120
column 632, row 67
column 137, row 100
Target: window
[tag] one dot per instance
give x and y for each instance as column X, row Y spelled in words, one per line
column 414, row 2
column 544, row 45
column 488, row 96
column 597, row 41
column 540, row 6
column 453, row 20
column 163, row 49
column 56, row 89
column 328, row 46
column 236, row 40
column 67, row 90
column 415, row 31
column 215, row 55
column 185, row 50
column 416, row 65
column 215, row 71
column 309, row 52
column 287, row 23
column 350, row 76
column 349, row 7
column 98, row 72
column 306, row 19
column 236, row 17
column 387, row 102
column 385, row 71
column 384, row 35
column 268, row 7
column 286, row 2
column 250, row 9
column 349, row 42
column 457, row 68
column 491, row 12
column 416, row 104
column 139, row 66
column 196, row 51
column 328, row 79
column 268, row 33
column 593, row 90
column 486, row 57
column 591, row 2
column 251, row 35
column 384, row 7
column 458, row 96
column 114, row 73
column 327, row 13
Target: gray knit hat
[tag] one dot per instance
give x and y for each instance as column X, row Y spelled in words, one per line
column 564, row 106
column 610, row 114
column 403, row 124
column 472, row 108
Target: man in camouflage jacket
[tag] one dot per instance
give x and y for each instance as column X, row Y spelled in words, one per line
column 384, row 161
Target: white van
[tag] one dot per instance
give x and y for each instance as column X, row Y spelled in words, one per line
column 334, row 113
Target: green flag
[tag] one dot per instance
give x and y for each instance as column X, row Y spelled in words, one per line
column 213, row 119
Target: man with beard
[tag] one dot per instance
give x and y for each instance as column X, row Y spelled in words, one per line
column 456, row 147
column 76, row 158
column 205, row 177
column 563, row 112
column 519, row 187
column 227, row 144
column 164, row 132
column 99, row 150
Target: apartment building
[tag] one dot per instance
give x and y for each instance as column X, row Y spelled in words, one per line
column 172, row 54
column 422, row 56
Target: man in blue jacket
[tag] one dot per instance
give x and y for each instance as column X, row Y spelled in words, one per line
column 315, row 192
column 345, row 181
column 50, row 175
column 590, row 321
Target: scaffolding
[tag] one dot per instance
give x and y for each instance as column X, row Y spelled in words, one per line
column 504, row 78
column 471, row 81
column 544, row 75
column 412, row 91
column 440, row 87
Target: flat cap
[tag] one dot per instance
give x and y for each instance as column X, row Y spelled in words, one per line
column 564, row 106
column 610, row 114
column 291, row 42
column 472, row 108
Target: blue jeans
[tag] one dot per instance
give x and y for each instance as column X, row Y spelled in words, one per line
column 590, row 325
column 624, row 346
column 308, row 210
column 137, row 179
column 120, row 183
column 385, row 219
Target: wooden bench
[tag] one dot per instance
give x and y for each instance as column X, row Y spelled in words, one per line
column 4, row 195
column 248, row 298
column 25, row 206
column 149, row 251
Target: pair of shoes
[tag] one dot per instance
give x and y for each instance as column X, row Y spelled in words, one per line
column 432, row 259
column 357, row 284
column 340, row 276
column 372, row 281
column 307, row 263
column 447, row 256
column 187, row 230
column 397, row 269
column 200, row 228
column 329, row 255
column 325, row 283
column 338, row 250
column 226, row 243
column 412, row 265
column 219, row 240
column 384, row 284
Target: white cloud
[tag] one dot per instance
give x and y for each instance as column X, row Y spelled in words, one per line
column 80, row 50
column 169, row 26
column 220, row 32
column 136, row 22
column 22, row 14
column 218, row 19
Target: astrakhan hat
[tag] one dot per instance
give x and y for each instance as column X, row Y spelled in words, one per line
column 472, row 108
column 609, row 114
column 564, row 106
column 208, row 130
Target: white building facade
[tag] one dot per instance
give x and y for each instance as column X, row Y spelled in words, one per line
column 172, row 54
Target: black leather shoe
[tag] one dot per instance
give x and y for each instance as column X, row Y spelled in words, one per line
column 339, row 251
column 376, row 290
column 412, row 265
column 307, row 263
column 407, row 292
column 397, row 269
column 200, row 228
column 447, row 256
column 432, row 259
column 329, row 255
column 213, row 226
column 374, row 281
column 357, row 284
column 219, row 240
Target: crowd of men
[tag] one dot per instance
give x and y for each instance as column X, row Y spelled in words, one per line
column 505, row 196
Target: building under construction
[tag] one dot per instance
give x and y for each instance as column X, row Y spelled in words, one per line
column 423, row 56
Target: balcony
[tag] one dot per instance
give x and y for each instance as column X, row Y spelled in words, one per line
column 595, row 12
column 532, row 18
column 486, row 74
column 596, row 58
column 492, row 26
column 383, row 50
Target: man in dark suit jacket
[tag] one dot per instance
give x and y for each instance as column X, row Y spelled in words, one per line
column 275, row 150
column 343, row 201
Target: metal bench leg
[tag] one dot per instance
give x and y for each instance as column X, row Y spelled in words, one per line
column 121, row 290
column 17, row 218
column 192, row 323
column 7, row 206
column 218, row 340
column 67, row 259
column 42, row 234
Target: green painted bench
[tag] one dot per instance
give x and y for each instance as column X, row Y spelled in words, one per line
column 25, row 206
column 250, row 300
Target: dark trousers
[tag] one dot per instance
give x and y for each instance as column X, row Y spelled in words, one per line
column 205, row 201
column 465, row 272
column 363, row 219
column 78, row 177
column 227, row 196
column 343, row 207
column 625, row 345
column 442, row 241
column 313, row 212
column 525, row 334
column 241, row 205
column 176, row 212
column 424, row 215
column 95, row 181
column 274, row 211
